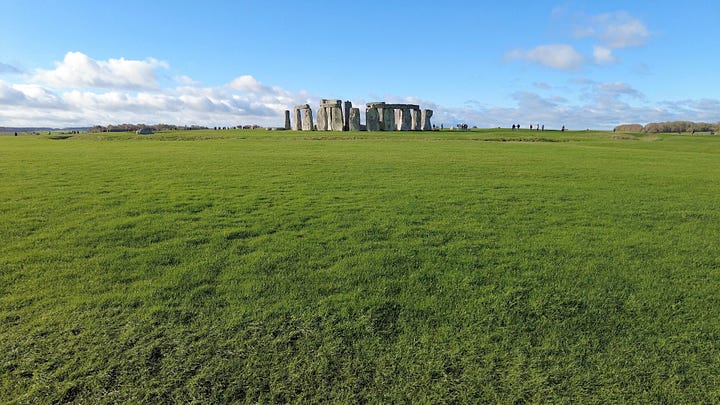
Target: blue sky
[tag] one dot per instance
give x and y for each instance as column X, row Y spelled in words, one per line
column 582, row 64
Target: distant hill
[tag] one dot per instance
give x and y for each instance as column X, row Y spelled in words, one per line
column 40, row 129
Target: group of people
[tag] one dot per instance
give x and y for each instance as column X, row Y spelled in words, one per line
column 537, row 127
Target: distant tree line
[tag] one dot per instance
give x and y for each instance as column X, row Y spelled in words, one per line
column 135, row 127
column 160, row 127
column 669, row 127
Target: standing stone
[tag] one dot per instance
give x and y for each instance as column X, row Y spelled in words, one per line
column 406, row 123
column 388, row 119
column 330, row 103
column 287, row 119
column 354, row 119
column 416, row 124
column 347, row 106
column 425, row 120
column 322, row 119
column 298, row 120
column 336, row 119
column 378, row 106
column 398, row 119
column 307, row 121
column 372, row 119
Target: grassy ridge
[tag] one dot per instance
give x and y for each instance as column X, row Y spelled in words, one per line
column 283, row 267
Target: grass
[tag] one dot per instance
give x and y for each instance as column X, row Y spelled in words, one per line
column 254, row 266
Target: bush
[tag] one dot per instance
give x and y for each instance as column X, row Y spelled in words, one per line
column 629, row 128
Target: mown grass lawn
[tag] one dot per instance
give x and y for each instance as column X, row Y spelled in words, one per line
column 490, row 266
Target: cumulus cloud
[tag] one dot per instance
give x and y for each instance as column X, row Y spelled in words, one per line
column 609, row 31
column 9, row 95
column 614, row 30
column 618, row 88
column 249, row 84
column 84, row 91
column 559, row 56
column 603, row 55
column 8, row 69
column 187, row 81
column 28, row 95
column 80, row 70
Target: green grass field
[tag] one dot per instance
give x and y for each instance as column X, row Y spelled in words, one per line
column 255, row 266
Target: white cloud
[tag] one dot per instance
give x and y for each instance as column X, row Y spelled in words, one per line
column 248, row 84
column 603, row 55
column 618, row 88
column 39, row 96
column 187, row 81
column 28, row 95
column 619, row 30
column 559, row 56
column 609, row 31
column 8, row 69
column 82, row 91
column 79, row 70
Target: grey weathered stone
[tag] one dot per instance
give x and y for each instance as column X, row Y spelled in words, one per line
column 330, row 103
column 336, row 119
column 398, row 119
column 302, row 106
column 406, row 123
column 416, row 120
column 322, row 119
column 307, row 120
column 346, row 115
column 354, row 124
column 372, row 119
column 382, row 104
column 425, row 120
column 381, row 118
column 287, row 119
column 388, row 119
column 298, row 120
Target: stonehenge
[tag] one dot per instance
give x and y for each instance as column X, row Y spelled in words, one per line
column 346, row 115
column 354, row 118
column 425, row 120
column 330, row 116
column 387, row 123
column 303, row 118
column 372, row 119
column 297, row 124
column 336, row 115
column 322, row 120
column 416, row 124
column 307, row 122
